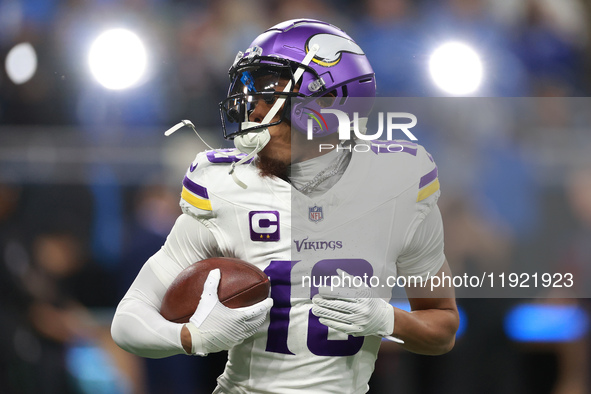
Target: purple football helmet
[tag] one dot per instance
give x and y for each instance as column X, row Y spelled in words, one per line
column 314, row 59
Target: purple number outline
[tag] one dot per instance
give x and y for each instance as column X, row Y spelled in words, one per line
column 230, row 158
column 279, row 271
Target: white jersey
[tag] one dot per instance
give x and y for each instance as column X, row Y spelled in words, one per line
column 366, row 224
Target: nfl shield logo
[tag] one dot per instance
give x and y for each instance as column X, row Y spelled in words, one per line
column 315, row 214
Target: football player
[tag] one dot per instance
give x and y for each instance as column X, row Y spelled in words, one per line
column 300, row 213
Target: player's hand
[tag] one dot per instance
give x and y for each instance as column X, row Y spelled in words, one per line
column 356, row 311
column 215, row 327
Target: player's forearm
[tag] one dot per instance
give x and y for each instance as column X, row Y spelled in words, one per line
column 139, row 329
column 429, row 331
column 431, row 326
column 138, row 326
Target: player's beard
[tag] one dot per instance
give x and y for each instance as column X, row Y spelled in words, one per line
column 270, row 167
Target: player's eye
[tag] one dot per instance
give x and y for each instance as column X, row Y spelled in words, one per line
column 267, row 97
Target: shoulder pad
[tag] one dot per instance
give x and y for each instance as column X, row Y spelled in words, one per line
column 419, row 164
column 219, row 156
column 428, row 188
column 429, row 180
column 204, row 173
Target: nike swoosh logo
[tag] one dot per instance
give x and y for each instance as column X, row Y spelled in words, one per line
column 192, row 167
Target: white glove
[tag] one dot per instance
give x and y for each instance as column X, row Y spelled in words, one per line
column 355, row 311
column 215, row 327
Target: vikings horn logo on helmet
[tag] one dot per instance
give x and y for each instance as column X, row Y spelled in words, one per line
column 331, row 48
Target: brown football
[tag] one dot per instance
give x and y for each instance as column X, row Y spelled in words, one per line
column 241, row 284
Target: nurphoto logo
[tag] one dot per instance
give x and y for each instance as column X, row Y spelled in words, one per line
column 345, row 124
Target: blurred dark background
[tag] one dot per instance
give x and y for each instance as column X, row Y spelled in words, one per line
column 89, row 186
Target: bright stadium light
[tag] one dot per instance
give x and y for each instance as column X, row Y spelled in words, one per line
column 117, row 59
column 456, row 68
column 21, row 63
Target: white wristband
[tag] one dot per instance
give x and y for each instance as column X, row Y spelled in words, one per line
column 196, row 341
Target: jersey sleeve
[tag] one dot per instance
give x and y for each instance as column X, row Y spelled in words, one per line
column 195, row 196
column 188, row 242
column 205, row 180
column 428, row 188
column 422, row 253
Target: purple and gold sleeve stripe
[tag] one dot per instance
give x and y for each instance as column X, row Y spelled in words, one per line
column 428, row 185
column 196, row 195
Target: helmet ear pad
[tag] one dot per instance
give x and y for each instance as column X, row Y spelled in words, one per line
column 307, row 110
